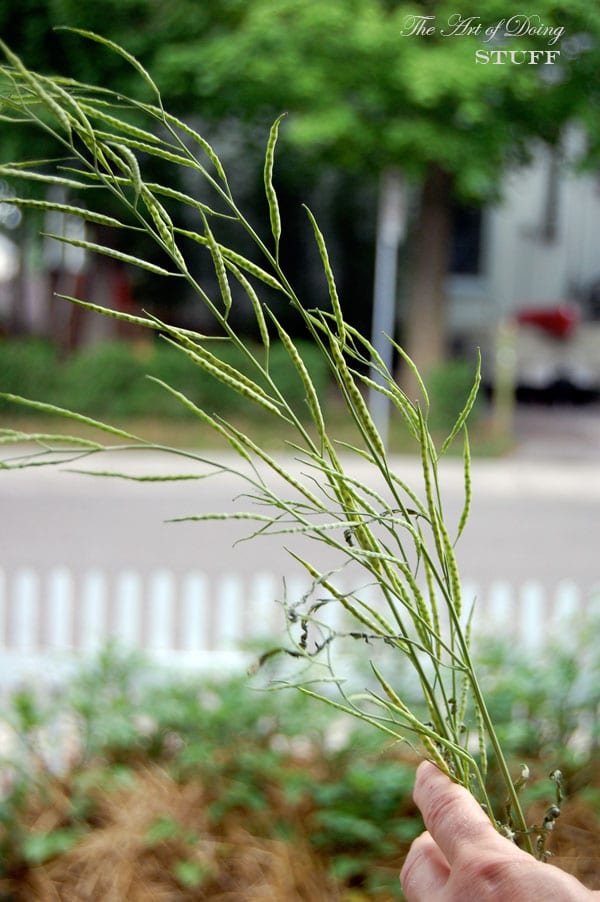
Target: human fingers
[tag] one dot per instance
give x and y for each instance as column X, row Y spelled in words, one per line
column 451, row 814
column 425, row 871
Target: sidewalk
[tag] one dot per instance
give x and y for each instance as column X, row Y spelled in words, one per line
column 557, row 433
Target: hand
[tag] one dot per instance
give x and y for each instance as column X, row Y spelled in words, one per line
column 462, row 858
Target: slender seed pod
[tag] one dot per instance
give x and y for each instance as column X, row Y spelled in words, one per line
column 333, row 294
column 251, row 268
column 451, row 566
column 120, row 51
column 219, row 265
column 202, row 142
column 393, row 695
column 67, row 209
column 468, row 487
column 35, row 82
column 130, row 166
column 164, row 227
column 154, row 150
column 413, row 368
column 183, row 198
column 112, row 252
column 204, row 417
column 78, row 118
column 98, row 111
column 433, row 605
column 254, row 300
column 311, row 394
column 426, row 465
column 278, row 468
column 179, row 337
column 350, row 506
column 358, row 402
column 274, row 214
column 425, row 621
column 230, row 377
column 462, row 417
column 483, row 761
column 434, row 753
column 376, row 625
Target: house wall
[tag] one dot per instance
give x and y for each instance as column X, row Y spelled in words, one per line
column 541, row 244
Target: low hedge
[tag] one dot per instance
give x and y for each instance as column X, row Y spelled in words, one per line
column 109, row 379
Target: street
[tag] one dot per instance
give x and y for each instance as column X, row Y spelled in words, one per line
column 530, row 519
column 86, row 557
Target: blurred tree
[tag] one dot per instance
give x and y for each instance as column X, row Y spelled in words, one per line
column 363, row 93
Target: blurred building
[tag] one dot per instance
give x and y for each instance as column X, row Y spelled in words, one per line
column 538, row 249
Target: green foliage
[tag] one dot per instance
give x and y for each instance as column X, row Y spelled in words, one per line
column 262, row 759
column 237, row 742
column 30, row 367
column 39, row 847
column 392, row 535
column 361, row 810
column 110, row 379
column 546, row 707
column 363, row 96
column 449, row 385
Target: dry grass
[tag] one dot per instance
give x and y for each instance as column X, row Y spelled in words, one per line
column 123, row 859
column 575, row 843
column 188, row 433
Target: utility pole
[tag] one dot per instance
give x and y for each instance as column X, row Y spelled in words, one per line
column 391, row 229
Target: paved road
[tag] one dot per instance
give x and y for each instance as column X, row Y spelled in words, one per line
column 532, row 517
column 570, row 433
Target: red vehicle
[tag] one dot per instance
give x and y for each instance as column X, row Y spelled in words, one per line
column 557, row 350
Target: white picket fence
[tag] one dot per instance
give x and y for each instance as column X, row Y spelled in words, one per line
column 204, row 622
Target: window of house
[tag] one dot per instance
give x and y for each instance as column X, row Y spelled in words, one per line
column 466, row 246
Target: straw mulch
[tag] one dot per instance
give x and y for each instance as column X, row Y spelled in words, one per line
column 123, row 858
column 575, row 842
column 119, row 861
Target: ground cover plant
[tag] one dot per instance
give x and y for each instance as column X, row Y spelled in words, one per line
column 392, row 539
column 128, row 781
column 108, row 380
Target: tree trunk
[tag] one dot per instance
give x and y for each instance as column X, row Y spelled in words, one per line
column 424, row 324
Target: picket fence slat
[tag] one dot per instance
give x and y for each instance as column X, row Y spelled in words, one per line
column 194, row 616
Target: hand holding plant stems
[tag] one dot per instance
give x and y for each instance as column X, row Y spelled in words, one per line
column 462, row 857
column 396, row 536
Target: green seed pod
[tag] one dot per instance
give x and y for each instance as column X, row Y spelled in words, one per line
column 164, row 227
column 232, row 378
column 35, row 82
column 219, row 265
column 254, row 300
column 128, row 162
column 333, row 295
column 468, row 487
column 269, row 189
column 357, row 401
column 311, row 394
column 252, row 268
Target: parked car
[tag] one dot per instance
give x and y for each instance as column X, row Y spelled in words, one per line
column 557, row 353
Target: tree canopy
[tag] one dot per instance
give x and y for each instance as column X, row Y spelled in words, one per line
column 364, row 91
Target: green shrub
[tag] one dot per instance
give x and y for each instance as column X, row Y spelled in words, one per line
column 106, row 379
column 449, row 385
column 28, row 367
column 261, row 759
column 109, row 379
